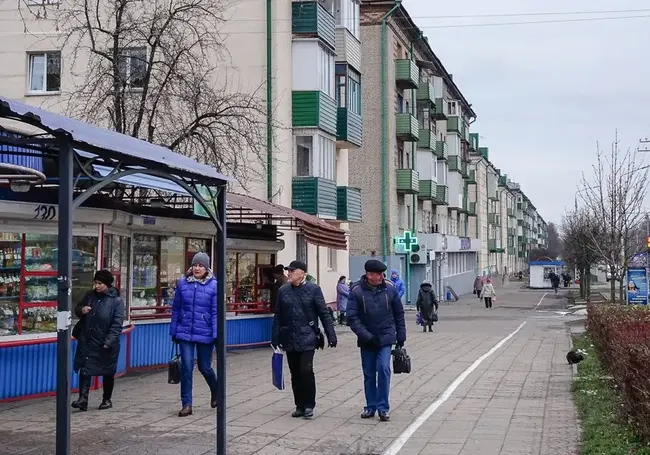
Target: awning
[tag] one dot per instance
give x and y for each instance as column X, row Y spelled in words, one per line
column 315, row 230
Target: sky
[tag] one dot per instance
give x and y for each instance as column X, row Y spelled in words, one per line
column 546, row 94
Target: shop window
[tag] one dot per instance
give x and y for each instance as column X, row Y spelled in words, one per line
column 248, row 281
column 116, row 259
column 28, row 280
column 172, row 266
column 146, row 252
column 45, row 72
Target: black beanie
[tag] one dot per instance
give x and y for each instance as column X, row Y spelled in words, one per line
column 104, row 276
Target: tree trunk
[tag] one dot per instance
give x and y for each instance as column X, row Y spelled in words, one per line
column 582, row 283
column 612, row 285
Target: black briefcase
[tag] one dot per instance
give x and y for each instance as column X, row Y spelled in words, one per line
column 174, row 367
column 401, row 361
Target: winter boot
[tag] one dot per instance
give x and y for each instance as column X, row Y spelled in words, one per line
column 84, row 388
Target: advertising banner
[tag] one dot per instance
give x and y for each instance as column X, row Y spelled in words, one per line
column 637, row 286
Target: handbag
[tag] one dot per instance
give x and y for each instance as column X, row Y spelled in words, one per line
column 434, row 316
column 174, row 367
column 277, row 371
column 78, row 328
column 401, row 361
column 314, row 326
column 418, row 319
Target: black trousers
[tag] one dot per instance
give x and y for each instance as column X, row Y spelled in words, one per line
column 109, row 385
column 488, row 302
column 303, row 382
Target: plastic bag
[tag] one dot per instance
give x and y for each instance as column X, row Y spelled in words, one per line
column 174, row 367
column 418, row 319
column 277, row 371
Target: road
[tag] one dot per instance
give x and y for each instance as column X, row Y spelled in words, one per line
column 517, row 401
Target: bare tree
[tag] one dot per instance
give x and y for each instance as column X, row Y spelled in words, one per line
column 578, row 233
column 615, row 197
column 150, row 69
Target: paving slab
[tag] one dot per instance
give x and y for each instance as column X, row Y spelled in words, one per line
column 517, row 401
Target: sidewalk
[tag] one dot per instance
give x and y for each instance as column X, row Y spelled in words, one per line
column 517, row 401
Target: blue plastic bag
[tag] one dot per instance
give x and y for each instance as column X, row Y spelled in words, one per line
column 418, row 319
column 277, row 371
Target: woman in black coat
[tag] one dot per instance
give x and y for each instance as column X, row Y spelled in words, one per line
column 427, row 305
column 101, row 315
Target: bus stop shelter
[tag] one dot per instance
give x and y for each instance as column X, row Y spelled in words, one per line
column 71, row 148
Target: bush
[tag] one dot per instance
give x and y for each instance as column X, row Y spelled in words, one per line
column 621, row 336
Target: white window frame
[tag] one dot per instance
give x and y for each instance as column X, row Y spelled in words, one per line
column 322, row 157
column 326, row 71
column 332, row 259
column 126, row 53
column 43, row 90
column 348, row 14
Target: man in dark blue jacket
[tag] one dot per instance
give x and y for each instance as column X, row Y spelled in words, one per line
column 295, row 329
column 376, row 315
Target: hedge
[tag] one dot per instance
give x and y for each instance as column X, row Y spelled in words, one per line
column 621, row 336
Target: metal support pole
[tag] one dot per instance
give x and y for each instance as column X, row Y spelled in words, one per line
column 220, row 262
column 64, row 301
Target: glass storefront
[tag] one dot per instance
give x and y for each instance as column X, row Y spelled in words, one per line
column 248, row 279
column 28, row 291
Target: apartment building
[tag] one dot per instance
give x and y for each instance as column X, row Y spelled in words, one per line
column 304, row 56
column 412, row 167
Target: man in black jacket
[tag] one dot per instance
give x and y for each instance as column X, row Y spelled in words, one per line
column 295, row 330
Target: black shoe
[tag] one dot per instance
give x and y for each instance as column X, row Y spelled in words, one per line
column 213, row 400
column 430, row 329
column 186, row 411
column 367, row 414
column 424, row 330
column 298, row 413
column 106, row 404
column 384, row 416
column 81, row 404
column 308, row 413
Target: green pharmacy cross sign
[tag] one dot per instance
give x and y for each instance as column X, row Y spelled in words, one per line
column 408, row 240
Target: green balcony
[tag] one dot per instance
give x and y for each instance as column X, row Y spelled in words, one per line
column 471, row 209
column 471, row 176
column 495, row 247
column 465, row 206
column 315, row 196
column 407, row 74
column 503, row 180
column 454, row 163
column 441, row 108
column 407, row 181
column 473, row 142
column 484, row 152
column 407, row 127
column 348, row 204
column 455, row 125
column 441, row 150
column 427, row 139
column 494, row 218
column 314, row 109
column 442, row 195
column 311, row 20
column 426, row 94
column 428, row 190
column 349, row 127
column 511, row 212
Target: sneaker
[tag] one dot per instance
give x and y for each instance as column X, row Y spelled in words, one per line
column 298, row 413
column 367, row 414
column 384, row 416
column 308, row 413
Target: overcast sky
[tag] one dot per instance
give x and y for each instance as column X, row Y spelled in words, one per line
column 545, row 93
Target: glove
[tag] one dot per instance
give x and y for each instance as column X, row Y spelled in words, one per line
column 400, row 344
column 332, row 344
column 174, row 340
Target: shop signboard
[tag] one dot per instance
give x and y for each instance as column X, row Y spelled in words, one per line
column 637, row 286
column 210, row 196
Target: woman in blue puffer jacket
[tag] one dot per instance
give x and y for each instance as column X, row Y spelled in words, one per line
column 194, row 327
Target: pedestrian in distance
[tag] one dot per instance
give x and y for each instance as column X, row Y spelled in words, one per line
column 101, row 316
column 376, row 315
column 478, row 286
column 194, row 328
column 398, row 283
column 342, row 292
column 427, row 305
column 295, row 330
column 488, row 294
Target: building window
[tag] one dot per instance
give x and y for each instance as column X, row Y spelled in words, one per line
column 341, row 77
column 45, row 72
column 354, row 91
column 315, row 157
column 326, row 71
column 332, row 259
column 132, row 67
column 347, row 15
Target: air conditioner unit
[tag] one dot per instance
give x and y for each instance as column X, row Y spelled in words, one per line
column 418, row 254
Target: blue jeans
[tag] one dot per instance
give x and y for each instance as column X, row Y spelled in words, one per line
column 204, row 361
column 376, row 378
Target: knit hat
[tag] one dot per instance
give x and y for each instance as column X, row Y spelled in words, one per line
column 104, row 276
column 201, row 258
